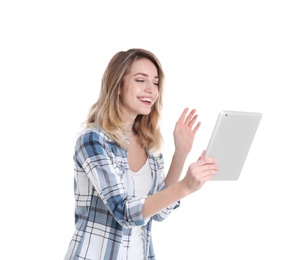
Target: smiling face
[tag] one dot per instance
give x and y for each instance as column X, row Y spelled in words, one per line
column 139, row 89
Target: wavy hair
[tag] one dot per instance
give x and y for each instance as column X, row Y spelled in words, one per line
column 105, row 113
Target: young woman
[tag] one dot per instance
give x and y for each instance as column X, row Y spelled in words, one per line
column 120, row 186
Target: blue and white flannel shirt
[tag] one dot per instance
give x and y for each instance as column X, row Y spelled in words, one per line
column 106, row 208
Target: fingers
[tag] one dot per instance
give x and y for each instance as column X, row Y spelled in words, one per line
column 206, row 166
column 183, row 115
column 196, row 127
column 189, row 119
column 205, row 161
column 202, row 155
column 200, row 172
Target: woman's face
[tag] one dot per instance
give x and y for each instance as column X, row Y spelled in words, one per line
column 139, row 90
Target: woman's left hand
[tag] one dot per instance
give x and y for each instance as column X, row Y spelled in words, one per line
column 185, row 131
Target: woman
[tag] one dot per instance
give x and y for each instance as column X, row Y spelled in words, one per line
column 120, row 186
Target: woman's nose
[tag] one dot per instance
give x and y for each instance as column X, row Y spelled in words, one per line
column 150, row 87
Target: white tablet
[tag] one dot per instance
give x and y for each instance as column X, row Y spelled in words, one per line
column 230, row 142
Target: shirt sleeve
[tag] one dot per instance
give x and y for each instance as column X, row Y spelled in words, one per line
column 106, row 177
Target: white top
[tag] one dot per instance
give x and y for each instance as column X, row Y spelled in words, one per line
column 142, row 180
column 142, row 184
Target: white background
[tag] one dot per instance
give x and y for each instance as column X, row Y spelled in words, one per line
column 234, row 55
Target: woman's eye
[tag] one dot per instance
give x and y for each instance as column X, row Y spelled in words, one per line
column 139, row 80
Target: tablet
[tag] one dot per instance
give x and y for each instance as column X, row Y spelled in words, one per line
column 230, row 142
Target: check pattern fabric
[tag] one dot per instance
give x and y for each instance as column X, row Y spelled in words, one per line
column 106, row 208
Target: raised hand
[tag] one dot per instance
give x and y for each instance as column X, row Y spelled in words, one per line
column 185, row 130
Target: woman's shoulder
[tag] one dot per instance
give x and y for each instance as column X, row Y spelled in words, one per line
column 92, row 136
column 93, row 133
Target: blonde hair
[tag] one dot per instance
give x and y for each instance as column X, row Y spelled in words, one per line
column 105, row 113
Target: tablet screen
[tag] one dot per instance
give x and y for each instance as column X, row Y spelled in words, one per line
column 230, row 142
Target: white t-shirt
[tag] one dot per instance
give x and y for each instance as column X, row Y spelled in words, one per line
column 142, row 184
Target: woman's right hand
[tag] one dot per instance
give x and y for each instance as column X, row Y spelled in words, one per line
column 200, row 172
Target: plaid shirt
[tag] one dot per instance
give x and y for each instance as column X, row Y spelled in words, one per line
column 106, row 208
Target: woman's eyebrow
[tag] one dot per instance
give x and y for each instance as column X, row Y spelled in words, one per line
column 142, row 74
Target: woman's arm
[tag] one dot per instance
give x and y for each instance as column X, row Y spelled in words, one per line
column 198, row 173
column 176, row 167
column 184, row 134
column 94, row 157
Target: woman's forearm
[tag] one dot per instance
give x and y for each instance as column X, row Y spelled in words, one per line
column 162, row 199
column 197, row 174
column 176, row 167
